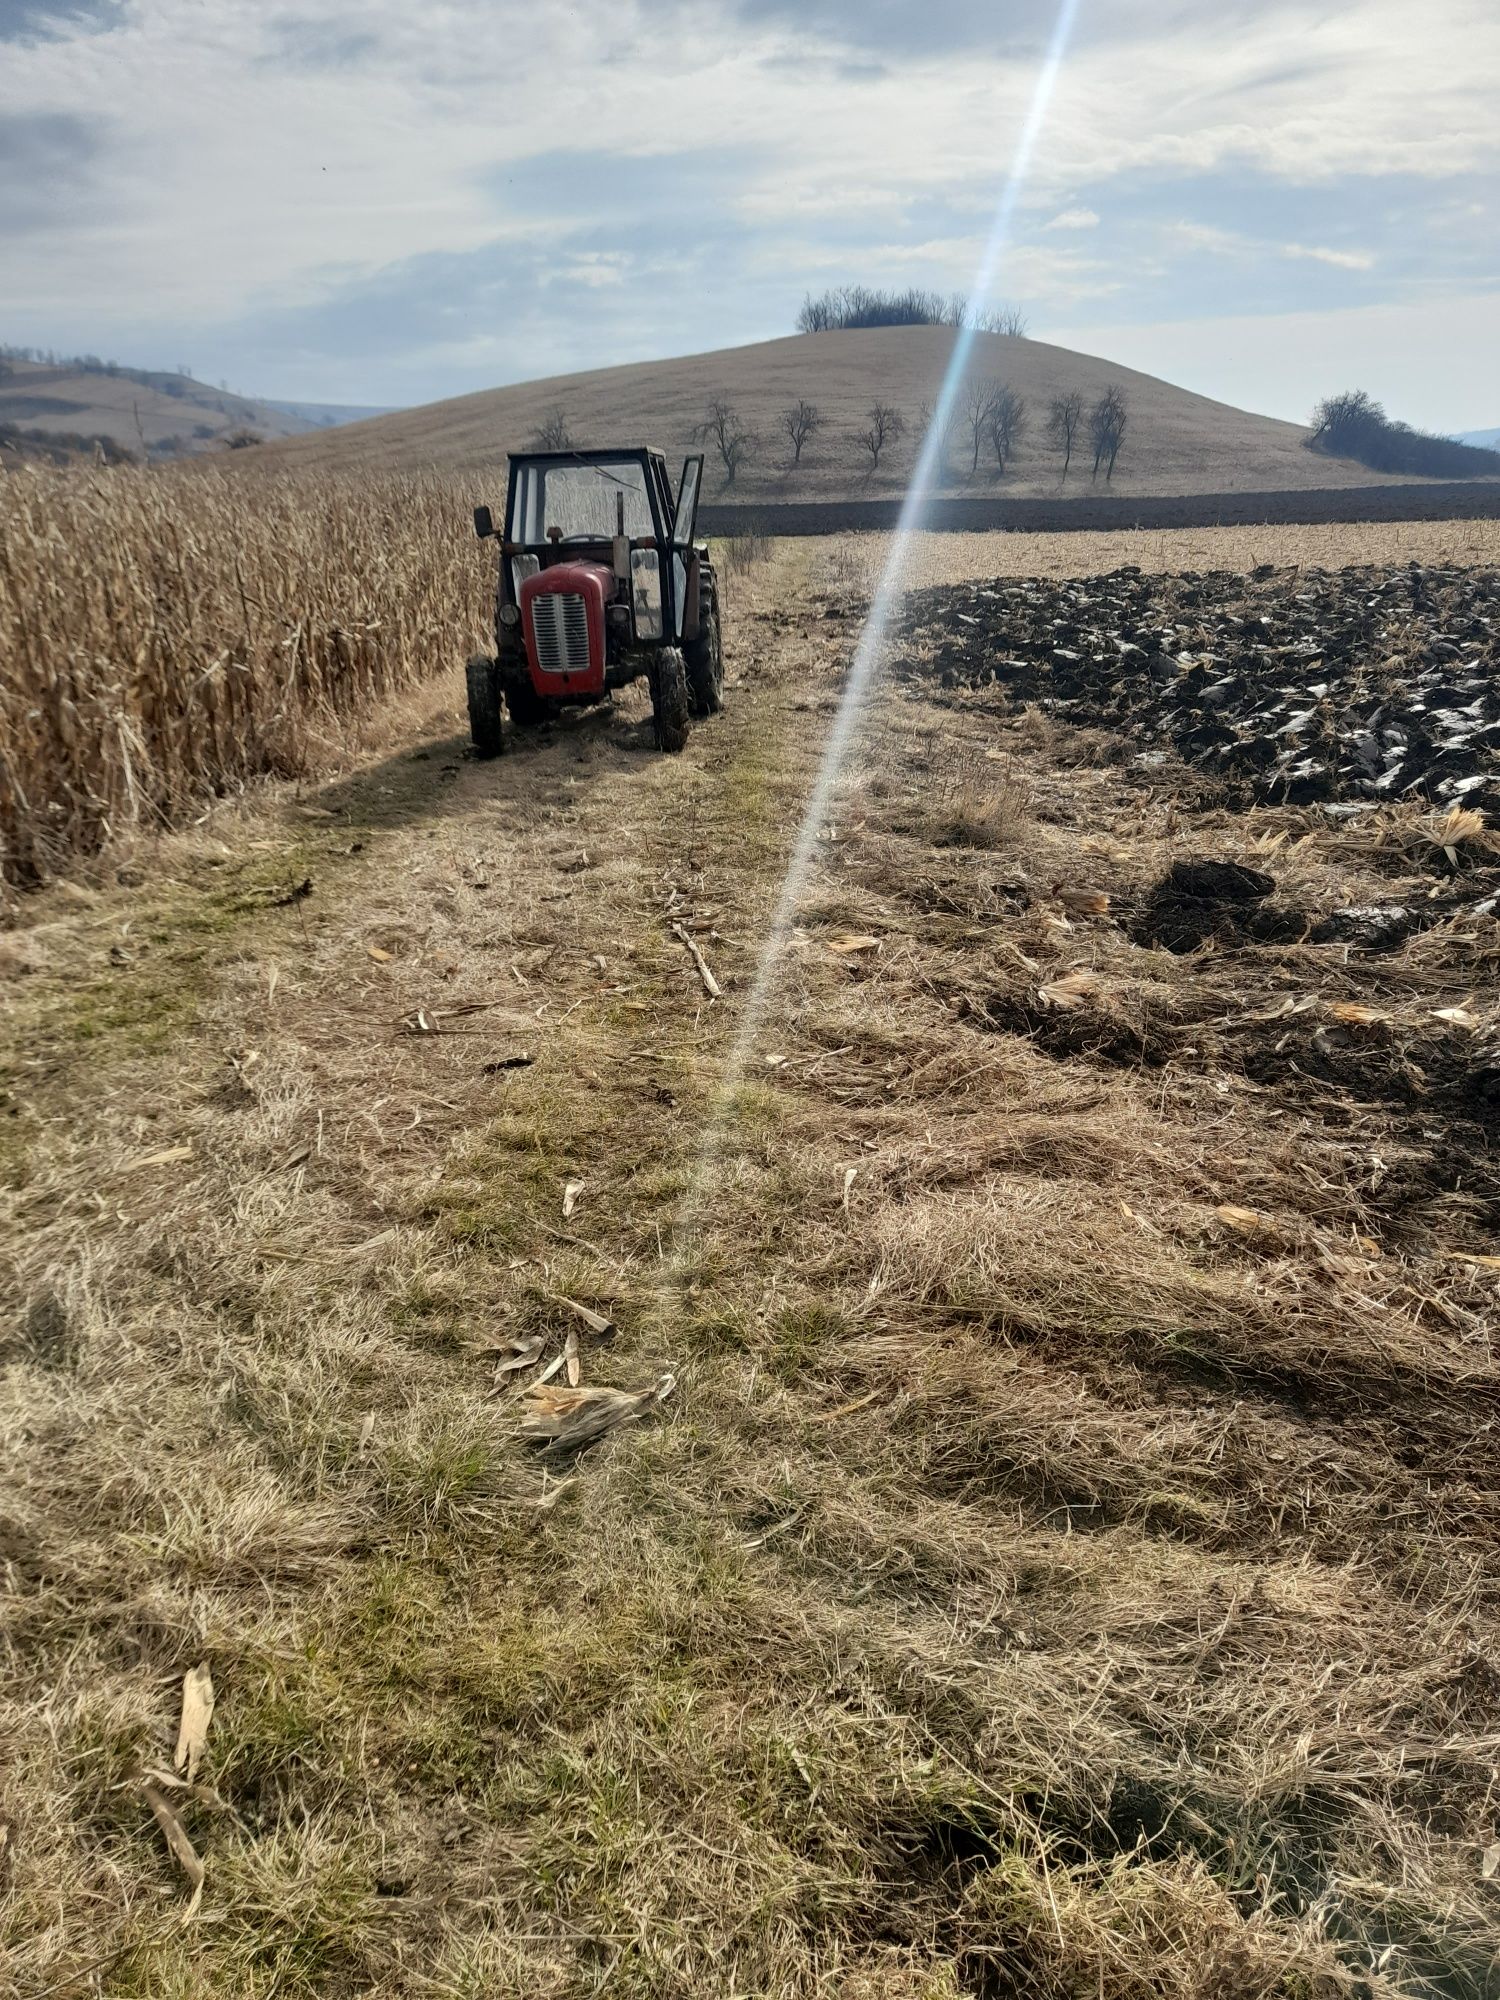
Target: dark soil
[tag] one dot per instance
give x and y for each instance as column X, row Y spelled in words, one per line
column 1223, row 902
column 1206, row 697
column 1355, row 687
column 1418, row 500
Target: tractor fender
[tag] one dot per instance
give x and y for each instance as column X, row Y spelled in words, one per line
column 690, row 597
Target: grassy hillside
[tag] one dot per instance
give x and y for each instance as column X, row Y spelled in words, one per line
column 1177, row 442
column 146, row 412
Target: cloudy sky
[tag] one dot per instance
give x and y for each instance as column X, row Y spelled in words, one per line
column 395, row 201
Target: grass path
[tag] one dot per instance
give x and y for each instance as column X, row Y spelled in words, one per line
column 1031, row 1586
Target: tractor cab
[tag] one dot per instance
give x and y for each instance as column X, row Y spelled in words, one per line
column 601, row 580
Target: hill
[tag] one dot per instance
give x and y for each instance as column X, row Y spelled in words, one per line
column 54, row 409
column 1177, row 442
column 1486, row 440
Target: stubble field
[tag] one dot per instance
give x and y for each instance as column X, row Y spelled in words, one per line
column 1066, row 1560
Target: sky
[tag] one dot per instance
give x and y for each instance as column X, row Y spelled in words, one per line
column 393, row 203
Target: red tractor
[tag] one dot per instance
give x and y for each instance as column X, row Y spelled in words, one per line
column 601, row 581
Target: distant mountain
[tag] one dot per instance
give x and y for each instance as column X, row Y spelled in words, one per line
column 1488, row 440
column 326, row 416
column 72, row 406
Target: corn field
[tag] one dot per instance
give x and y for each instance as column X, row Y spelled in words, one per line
column 165, row 635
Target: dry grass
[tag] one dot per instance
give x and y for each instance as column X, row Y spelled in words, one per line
column 956, row 558
column 1037, row 1584
column 974, row 801
column 743, row 551
column 165, row 636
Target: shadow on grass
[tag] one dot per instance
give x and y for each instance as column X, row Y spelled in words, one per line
column 439, row 776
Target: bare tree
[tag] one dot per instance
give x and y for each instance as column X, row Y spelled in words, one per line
column 886, row 425
column 1348, row 424
column 863, row 305
column 1107, row 422
column 552, row 433
column 799, row 421
column 817, row 315
column 1064, row 419
column 952, row 422
column 926, row 419
column 961, row 311
column 979, row 395
column 1007, row 320
column 1007, row 423
column 723, row 430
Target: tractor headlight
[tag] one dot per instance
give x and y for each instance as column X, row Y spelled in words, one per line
column 645, row 593
column 510, row 614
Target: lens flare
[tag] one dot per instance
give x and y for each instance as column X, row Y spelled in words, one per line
column 868, row 653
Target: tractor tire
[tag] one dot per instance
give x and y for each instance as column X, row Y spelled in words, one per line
column 528, row 709
column 669, row 698
column 705, row 654
column 486, row 725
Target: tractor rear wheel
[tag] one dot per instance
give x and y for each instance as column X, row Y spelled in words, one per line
column 486, row 725
column 669, row 698
column 705, row 654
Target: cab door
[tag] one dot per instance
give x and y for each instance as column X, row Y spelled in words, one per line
column 684, row 563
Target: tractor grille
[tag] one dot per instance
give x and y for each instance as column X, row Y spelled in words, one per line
column 560, row 623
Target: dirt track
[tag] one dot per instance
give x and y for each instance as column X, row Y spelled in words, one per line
column 1068, row 1561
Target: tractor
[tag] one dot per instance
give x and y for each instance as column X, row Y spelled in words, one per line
column 600, row 582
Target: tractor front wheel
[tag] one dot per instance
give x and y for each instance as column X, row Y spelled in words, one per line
column 486, row 725
column 528, row 709
column 705, row 655
column 669, row 698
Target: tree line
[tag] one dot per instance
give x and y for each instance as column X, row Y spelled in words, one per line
column 95, row 364
column 988, row 417
column 847, row 307
column 1353, row 425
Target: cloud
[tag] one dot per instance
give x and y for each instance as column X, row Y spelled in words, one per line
column 1228, row 243
column 1342, row 260
column 600, row 189
column 277, row 171
column 594, row 268
column 896, row 24
column 295, row 41
column 23, row 20
column 946, row 27
column 47, row 163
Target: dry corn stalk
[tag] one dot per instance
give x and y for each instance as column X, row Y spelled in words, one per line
column 166, row 634
column 197, row 1712
column 567, row 1417
column 1072, row 990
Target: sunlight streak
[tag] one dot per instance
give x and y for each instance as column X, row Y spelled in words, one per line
column 871, row 647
